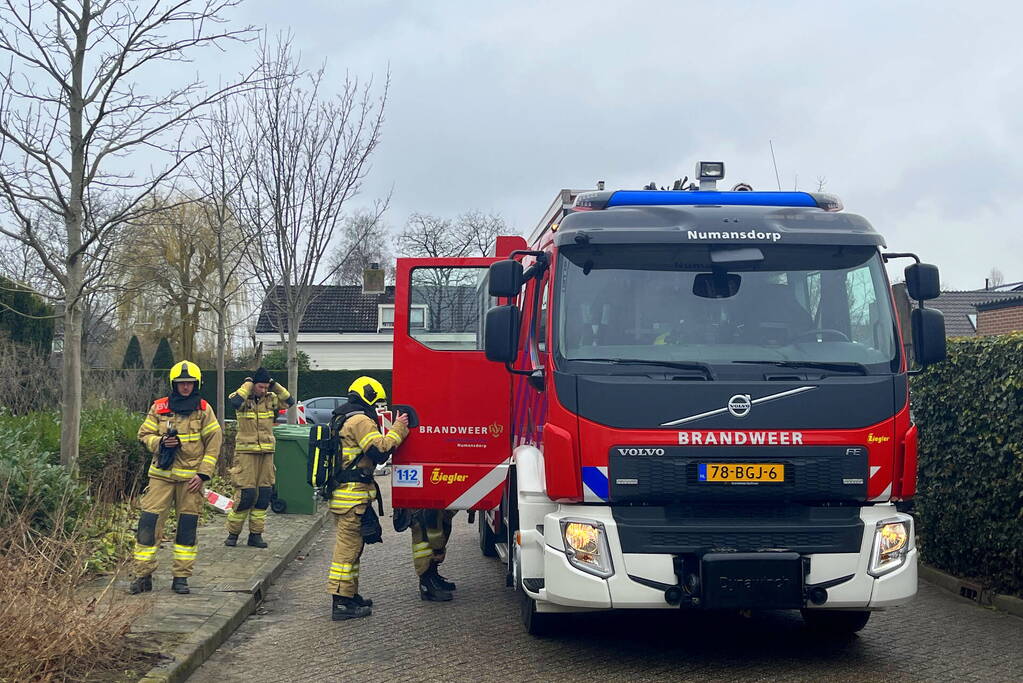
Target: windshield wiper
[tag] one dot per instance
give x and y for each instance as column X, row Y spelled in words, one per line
column 681, row 365
column 858, row 368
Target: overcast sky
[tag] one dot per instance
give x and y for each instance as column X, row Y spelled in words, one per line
column 912, row 113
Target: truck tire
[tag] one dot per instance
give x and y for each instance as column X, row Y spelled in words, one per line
column 488, row 538
column 835, row 622
column 535, row 623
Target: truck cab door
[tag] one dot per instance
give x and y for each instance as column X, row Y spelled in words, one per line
column 457, row 457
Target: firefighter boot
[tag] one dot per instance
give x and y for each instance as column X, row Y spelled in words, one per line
column 365, row 602
column 180, row 585
column 231, row 540
column 347, row 608
column 256, row 541
column 430, row 588
column 141, row 584
column 442, row 582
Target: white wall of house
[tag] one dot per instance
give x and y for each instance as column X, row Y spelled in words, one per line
column 340, row 351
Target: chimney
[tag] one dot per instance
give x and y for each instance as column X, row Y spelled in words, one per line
column 373, row 279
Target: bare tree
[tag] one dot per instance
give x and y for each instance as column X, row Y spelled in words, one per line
column 220, row 171
column 363, row 242
column 310, row 154
column 71, row 110
column 449, row 293
column 995, row 278
column 472, row 233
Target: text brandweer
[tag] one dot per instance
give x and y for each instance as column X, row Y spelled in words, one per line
column 740, row 438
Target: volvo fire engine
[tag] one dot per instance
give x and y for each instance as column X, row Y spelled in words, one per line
column 673, row 399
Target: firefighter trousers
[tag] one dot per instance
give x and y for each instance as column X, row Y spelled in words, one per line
column 343, row 577
column 254, row 474
column 156, row 501
column 431, row 530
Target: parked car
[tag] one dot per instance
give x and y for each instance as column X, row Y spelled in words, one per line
column 317, row 410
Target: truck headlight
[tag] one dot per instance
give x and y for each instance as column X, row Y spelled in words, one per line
column 586, row 547
column 891, row 546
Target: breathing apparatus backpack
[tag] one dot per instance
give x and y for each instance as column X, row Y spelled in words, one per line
column 326, row 471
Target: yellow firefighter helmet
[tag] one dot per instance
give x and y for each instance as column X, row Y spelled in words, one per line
column 185, row 371
column 368, row 389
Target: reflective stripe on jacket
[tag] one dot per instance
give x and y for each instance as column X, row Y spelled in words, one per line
column 200, row 436
column 359, row 434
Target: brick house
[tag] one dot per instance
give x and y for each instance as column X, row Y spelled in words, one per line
column 1000, row 315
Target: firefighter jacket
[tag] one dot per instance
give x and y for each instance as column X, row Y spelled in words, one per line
column 199, row 433
column 256, row 417
column 360, row 434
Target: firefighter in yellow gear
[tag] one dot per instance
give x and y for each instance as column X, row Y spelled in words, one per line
column 361, row 447
column 431, row 530
column 256, row 404
column 182, row 433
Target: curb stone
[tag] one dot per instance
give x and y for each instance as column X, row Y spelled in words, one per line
column 189, row 655
column 985, row 597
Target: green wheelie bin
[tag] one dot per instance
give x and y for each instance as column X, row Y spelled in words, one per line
column 292, row 493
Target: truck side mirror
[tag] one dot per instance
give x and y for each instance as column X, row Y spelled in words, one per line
column 505, row 278
column 501, row 333
column 922, row 281
column 928, row 336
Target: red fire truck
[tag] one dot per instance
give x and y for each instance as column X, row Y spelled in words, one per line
column 688, row 398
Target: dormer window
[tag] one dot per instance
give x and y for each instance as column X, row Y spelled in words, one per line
column 385, row 317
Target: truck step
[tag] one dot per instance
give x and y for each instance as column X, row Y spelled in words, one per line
column 502, row 551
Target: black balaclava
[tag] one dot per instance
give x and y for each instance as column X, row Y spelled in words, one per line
column 184, row 405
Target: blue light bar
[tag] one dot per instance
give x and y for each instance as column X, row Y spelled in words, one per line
column 691, row 198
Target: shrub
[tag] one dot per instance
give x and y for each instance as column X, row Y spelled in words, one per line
column 109, row 452
column 278, row 360
column 970, row 495
column 51, row 631
column 163, row 359
column 133, row 355
column 47, row 494
column 27, row 382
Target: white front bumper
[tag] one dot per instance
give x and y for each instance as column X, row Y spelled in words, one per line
column 571, row 588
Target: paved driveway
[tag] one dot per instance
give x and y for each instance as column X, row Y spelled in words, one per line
column 478, row 638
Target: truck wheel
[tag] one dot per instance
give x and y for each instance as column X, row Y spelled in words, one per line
column 835, row 622
column 278, row 506
column 488, row 538
column 535, row 623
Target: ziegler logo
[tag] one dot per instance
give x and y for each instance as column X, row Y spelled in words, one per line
column 641, row 451
column 438, row 477
column 877, row 439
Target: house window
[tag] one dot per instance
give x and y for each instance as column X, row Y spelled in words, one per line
column 417, row 317
column 385, row 317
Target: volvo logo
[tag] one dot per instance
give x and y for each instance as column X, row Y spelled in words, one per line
column 739, row 405
column 641, row 451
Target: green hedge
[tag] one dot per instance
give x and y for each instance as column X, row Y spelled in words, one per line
column 970, row 496
column 110, row 457
column 310, row 384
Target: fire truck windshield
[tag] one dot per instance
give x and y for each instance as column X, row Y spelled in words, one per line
column 814, row 305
